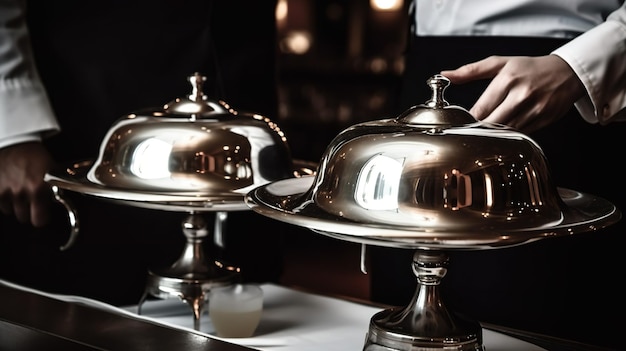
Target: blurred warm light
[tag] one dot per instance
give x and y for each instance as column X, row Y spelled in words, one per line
column 296, row 42
column 386, row 5
column 281, row 11
column 376, row 101
column 398, row 65
column 378, row 65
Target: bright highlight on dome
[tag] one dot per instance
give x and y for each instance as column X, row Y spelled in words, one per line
column 150, row 159
column 378, row 183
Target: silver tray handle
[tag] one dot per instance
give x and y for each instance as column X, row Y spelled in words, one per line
column 71, row 214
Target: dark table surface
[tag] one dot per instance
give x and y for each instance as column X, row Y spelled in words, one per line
column 29, row 321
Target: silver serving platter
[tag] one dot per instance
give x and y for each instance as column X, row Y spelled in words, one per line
column 283, row 201
column 74, row 178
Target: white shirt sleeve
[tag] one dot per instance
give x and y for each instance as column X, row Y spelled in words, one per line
column 24, row 106
column 599, row 59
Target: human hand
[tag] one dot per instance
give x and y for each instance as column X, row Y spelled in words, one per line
column 526, row 93
column 23, row 191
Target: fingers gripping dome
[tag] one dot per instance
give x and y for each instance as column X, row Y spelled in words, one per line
column 192, row 144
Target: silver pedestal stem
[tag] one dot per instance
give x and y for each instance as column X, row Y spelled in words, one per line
column 425, row 324
column 193, row 275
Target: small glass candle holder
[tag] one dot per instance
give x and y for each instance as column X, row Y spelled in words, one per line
column 235, row 310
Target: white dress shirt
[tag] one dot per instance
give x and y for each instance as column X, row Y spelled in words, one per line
column 25, row 111
column 599, row 59
column 526, row 18
column 598, row 56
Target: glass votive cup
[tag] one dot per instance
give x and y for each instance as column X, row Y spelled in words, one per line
column 235, row 310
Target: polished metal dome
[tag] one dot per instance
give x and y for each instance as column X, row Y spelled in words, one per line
column 433, row 177
column 434, row 167
column 192, row 144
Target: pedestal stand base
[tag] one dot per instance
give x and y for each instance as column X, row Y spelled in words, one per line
column 192, row 276
column 380, row 338
column 191, row 291
column 425, row 324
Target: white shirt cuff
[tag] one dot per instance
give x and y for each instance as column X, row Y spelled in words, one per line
column 25, row 109
column 597, row 57
column 18, row 139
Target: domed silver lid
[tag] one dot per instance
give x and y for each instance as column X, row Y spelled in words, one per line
column 435, row 167
column 433, row 176
column 192, row 144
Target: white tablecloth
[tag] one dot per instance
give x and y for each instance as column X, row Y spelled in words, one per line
column 293, row 320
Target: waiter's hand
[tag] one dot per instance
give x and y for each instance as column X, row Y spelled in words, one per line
column 23, row 191
column 526, row 93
